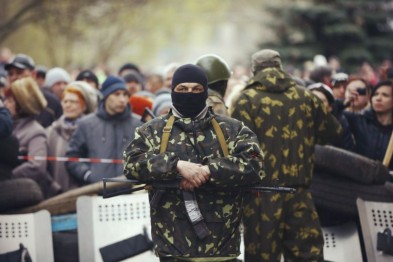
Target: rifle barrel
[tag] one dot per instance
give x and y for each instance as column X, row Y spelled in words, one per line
column 175, row 184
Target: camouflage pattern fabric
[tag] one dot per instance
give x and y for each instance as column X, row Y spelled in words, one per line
column 288, row 121
column 275, row 217
column 215, row 101
column 196, row 141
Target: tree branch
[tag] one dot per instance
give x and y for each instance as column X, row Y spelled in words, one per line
column 18, row 20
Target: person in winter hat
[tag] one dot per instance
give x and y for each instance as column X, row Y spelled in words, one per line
column 76, row 102
column 24, row 66
column 103, row 134
column 90, row 77
column 162, row 104
column 56, row 80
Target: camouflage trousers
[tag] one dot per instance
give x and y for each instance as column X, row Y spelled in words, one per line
column 285, row 224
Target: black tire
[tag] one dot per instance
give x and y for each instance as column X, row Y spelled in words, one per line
column 336, row 195
column 19, row 193
column 342, row 163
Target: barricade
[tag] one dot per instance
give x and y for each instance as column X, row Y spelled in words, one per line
column 33, row 230
column 102, row 222
column 342, row 243
column 375, row 217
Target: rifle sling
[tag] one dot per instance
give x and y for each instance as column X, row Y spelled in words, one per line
column 168, row 128
column 220, row 135
column 166, row 133
column 193, row 212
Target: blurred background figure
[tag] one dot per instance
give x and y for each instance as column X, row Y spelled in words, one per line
column 169, row 70
column 25, row 100
column 367, row 72
column 24, row 66
column 3, row 84
column 372, row 127
column 155, row 84
column 76, row 102
column 325, row 94
column 321, row 74
column 129, row 68
column 9, row 145
column 5, row 58
column 339, row 81
column 134, row 82
column 56, row 80
column 357, row 94
column 89, row 77
column 162, row 104
column 40, row 72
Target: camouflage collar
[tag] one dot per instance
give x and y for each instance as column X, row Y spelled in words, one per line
column 189, row 125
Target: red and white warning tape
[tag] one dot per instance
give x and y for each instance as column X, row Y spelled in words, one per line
column 72, row 159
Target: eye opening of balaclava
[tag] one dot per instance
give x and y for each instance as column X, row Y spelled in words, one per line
column 189, row 104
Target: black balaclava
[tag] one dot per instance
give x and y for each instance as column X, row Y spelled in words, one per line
column 189, row 104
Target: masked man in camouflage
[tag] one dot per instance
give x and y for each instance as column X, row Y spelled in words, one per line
column 195, row 157
column 288, row 121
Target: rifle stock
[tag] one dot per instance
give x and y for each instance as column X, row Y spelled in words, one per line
column 173, row 184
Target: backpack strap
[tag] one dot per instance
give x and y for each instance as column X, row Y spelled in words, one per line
column 220, row 135
column 166, row 133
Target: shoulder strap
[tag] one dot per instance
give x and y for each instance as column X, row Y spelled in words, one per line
column 220, row 135
column 168, row 128
column 166, row 133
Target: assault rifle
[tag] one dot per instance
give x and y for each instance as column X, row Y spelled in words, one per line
column 174, row 184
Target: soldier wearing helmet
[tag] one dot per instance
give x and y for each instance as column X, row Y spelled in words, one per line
column 218, row 74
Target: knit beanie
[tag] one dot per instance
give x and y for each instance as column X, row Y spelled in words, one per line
column 130, row 67
column 112, row 84
column 160, row 102
column 90, row 97
column 88, row 74
column 55, row 75
column 189, row 74
column 134, row 77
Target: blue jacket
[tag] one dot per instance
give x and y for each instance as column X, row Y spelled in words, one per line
column 100, row 135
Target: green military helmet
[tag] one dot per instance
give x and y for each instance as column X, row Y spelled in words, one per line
column 215, row 67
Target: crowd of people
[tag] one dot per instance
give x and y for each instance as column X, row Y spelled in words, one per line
column 46, row 115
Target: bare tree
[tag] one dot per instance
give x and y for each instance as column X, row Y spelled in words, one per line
column 16, row 14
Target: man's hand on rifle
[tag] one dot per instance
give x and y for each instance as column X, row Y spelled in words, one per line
column 194, row 175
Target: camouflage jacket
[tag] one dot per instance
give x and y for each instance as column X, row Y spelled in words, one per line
column 196, row 141
column 216, row 101
column 288, row 120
